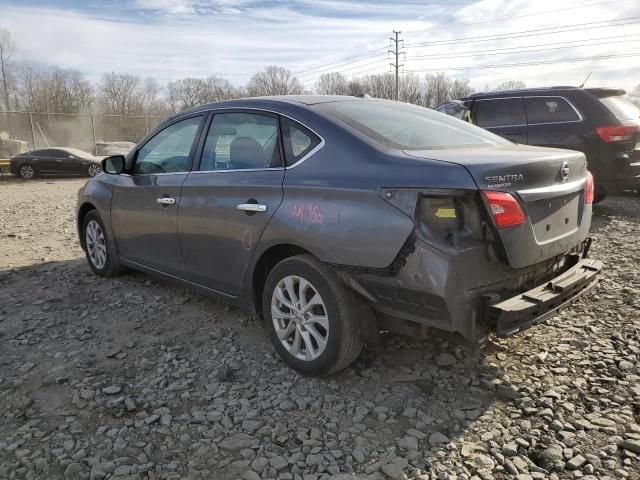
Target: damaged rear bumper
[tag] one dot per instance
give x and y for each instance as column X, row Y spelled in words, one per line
column 515, row 314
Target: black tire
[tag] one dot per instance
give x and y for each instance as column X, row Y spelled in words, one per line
column 24, row 169
column 93, row 170
column 344, row 341
column 600, row 193
column 111, row 266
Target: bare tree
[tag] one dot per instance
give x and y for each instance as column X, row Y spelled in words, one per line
column 380, row 86
column 7, row 50
column 459, row 88
column 55, row 90
column 436, row 89
column 218, row 89
column 510, row 85
column 411, row 89
column 332, row 83
column 186, row 93
column 120, row 94
column 274, row 80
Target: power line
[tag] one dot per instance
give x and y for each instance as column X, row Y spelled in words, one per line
column 365, row 55
column 529, row 33
column 510, row 50
column 341, row 68
column 526, row 64
column 511, row 17
column 357, row 67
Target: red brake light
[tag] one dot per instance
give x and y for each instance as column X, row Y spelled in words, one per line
column 505, row 209
column 588, row 188
column 616, row 133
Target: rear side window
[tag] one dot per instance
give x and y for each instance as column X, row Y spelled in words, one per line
column 503, row 112
column 549, row 110
column 622, row 108
column 298, row 140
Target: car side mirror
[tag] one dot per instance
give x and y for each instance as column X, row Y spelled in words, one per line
column 113, row 165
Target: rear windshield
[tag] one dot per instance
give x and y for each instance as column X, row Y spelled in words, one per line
column 622, row 108
column 408, row 127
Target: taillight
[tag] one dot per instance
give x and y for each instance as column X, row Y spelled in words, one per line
column 588, row 189
column 505, row 209
column 616, row 133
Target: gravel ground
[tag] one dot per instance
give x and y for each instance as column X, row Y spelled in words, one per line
column 133, row 378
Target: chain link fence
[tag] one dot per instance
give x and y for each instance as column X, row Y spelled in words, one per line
column 29, row 130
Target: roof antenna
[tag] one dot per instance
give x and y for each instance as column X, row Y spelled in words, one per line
column 585, row 80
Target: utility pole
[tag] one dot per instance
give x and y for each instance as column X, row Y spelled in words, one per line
column 396, row 52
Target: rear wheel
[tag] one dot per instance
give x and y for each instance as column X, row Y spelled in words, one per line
column 27, row 171
column 310, row 316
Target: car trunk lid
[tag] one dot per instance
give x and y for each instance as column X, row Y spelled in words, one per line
column 547, row 183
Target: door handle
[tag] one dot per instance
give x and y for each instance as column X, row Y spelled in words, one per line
column 252, row 207
column 166, row 200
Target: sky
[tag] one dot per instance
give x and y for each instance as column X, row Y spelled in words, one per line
column 486, row 41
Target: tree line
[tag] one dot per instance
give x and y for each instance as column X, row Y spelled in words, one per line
column 36, row 88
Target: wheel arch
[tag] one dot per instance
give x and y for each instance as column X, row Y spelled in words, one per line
column 85, row 208
column 269, row 259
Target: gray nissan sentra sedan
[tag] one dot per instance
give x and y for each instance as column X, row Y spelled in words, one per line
column 336, row 217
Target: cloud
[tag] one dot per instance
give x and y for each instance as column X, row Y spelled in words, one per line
column 169, row 39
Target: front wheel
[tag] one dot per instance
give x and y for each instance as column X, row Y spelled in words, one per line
column 100, row 255
column 93, row 170
column 310, row 316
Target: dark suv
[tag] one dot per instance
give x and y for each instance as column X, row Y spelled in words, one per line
column 596, row 121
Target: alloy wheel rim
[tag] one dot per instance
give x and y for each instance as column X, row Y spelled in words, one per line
column 300, row 318
column 96, row 245
column 26, row 171
column 94, row 170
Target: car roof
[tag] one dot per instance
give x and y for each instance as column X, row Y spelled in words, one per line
column 546, row 91
column 73, row 151
column 274, row 101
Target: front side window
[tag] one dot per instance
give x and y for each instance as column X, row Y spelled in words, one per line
column 408, row 127
column 241, row 141
column 298, row 140
column 169, row 151
column 503, row 112
column 549, row 110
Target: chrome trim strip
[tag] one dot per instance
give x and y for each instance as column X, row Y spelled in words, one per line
column 223, row 170
column 534, row 194
column 306, row 157
column 214, row 110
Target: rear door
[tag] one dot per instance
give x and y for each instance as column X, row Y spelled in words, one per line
column 553, row 122
column 502, row 116
column 47, row 160
column 230, row 197
column 144, row 206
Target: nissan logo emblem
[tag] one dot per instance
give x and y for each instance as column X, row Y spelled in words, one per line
column 564, row 171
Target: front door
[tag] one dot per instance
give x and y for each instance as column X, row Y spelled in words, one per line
column 144, row 208
column 502, row 116
column 227, row 203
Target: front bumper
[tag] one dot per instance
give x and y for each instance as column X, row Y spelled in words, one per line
column 536, row 305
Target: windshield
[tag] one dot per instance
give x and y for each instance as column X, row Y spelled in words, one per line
column 408, row 127
column 622, row 108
